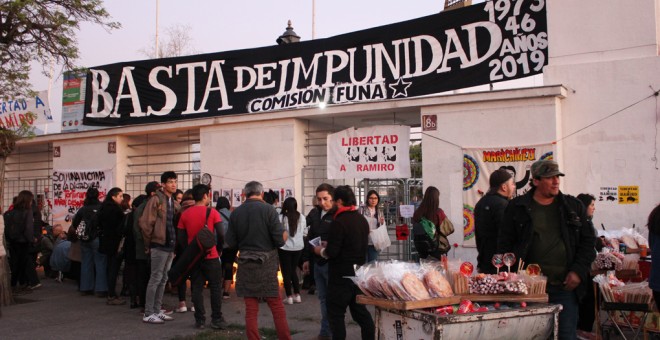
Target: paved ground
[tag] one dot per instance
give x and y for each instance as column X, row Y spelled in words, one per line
column 58, row 311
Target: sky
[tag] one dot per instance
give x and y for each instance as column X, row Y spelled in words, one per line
column 218, row 26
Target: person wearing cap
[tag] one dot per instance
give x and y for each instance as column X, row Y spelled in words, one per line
column 488, row 215
column 549, row 228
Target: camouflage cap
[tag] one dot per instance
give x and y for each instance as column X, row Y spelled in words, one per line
column 545, row 168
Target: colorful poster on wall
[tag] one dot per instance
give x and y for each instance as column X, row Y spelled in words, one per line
column 628, row 194
column 70, row 187
column 73, row 102
column 14, row 111
column 371, row 152
column 479, row 163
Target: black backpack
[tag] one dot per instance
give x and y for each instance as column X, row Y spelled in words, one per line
column 14, row 225
column 88, row 228
column 426, row 245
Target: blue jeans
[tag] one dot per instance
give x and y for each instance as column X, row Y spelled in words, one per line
column 161, row 261
column 569, row 314
column 92, row 263
column 321, row 279
column 372, row 253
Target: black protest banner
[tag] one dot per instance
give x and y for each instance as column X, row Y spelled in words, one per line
column 480, row 44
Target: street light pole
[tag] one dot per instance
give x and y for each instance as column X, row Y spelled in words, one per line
column 313, row 19
column 157, row 18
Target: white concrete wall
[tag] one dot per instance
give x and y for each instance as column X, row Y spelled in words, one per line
column 270, row 152
column 616, row 150
column 486, row 124
column 595, row 30
column 87, row 154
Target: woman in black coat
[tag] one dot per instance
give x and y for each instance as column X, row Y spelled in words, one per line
column 111, row 220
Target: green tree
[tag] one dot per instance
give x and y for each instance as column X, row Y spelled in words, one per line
column 42, row 31
column 416, row 160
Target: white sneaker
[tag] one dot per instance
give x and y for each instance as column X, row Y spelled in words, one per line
column 288, row 301
column 164, row 317
column 192, row 309
column 181, row 309
column 153, row 318
column 297, row 299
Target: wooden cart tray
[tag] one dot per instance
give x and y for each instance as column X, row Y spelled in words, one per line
column 407, row 305
column 505, row 297
column 620, row 274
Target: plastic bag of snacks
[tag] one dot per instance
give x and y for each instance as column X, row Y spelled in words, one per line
column 396, row 280
column 637, row 292
column 435, row 280
column 605, row 283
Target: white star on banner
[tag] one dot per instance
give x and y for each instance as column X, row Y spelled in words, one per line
column 400, row 88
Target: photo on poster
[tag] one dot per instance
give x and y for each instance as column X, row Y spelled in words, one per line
column 236, row 197
column 216, row 195
column 226, row 193
column 288, row 192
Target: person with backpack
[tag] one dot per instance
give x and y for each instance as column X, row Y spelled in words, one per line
column 136, row 258
column 19, row 233
column 228, row 256
column 431, row 227
column 111, row 219
column 207, row 268
column 93, row 267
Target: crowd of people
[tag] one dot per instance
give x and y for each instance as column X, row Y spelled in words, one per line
column 162, row 230
column 166, row 225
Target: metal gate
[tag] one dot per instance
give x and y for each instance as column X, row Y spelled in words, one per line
column 40, row 187
column 135, row 183
column 393, row 193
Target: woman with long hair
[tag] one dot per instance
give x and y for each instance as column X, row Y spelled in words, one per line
column 430, row 209
column 21, row 221
column 370, row 211
column 586, row 315
column 292, row 250
column 111, row 223
column 654, row 241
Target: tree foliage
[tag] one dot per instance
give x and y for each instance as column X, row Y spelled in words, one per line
column 42, row 31
column 177, row 42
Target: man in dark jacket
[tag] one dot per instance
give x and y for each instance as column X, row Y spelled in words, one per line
column 256, row 231
column 319, row 220
column 346, row 246
column 488, row 215
column 548, row 228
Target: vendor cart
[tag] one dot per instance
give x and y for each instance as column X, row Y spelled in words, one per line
column 536, row 321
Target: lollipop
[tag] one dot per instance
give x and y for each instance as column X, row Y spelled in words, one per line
column 466, row 269
column 533, row 269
